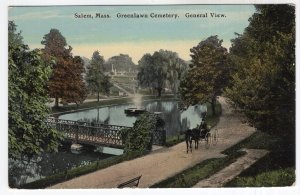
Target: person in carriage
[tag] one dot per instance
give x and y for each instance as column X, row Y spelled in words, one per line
column 203, row 129
column 195, row 134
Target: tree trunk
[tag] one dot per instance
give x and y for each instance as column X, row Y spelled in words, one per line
column 56, row 102
column 213, row 106
column 159, row 91
column 98, row 96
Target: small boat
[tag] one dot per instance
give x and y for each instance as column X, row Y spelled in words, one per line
column 134, row 111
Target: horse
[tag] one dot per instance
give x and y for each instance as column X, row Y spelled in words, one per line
column 188, row 140
column 196, row 136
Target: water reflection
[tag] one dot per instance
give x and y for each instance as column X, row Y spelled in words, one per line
column 22, row 171
column 175, row 119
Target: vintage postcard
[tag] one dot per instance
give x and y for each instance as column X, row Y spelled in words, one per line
column 151, row 96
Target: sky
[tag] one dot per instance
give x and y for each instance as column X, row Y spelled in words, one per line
column 135, row 37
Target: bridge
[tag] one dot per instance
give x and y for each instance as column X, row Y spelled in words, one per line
column 97, row 134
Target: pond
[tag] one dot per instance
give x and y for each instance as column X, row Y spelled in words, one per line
column 175, row 120
column 21, row 172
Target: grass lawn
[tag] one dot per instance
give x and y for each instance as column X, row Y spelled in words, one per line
column 275, row 169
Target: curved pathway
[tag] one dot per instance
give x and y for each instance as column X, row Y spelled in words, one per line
column 166, row 162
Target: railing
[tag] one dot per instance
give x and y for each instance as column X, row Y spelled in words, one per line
column 159, row 137
column 89, row 133
column 97, row 133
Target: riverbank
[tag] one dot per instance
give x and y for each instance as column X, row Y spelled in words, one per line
column 93, row 103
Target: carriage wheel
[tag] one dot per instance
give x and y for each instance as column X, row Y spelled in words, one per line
column 215, row 137
column 207, row 140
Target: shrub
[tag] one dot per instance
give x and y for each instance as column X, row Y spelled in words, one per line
column 139, row 138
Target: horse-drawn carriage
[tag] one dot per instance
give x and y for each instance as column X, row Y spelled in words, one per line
column 201, row 133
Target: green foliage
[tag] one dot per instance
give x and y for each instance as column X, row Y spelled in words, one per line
column 263, row 86
column 66, row 81
column 163, row 67
column 283, row 177
column 263, row 70
column 173, row 140
column 96, row 80
column 28, row 133
column 208, row 74
column 139, row 138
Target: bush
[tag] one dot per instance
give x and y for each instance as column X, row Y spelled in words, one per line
column 139, row 139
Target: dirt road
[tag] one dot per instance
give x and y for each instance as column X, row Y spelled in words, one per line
column 166, row 162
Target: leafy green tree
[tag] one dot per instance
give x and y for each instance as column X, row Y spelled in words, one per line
column 146, row 68
column 208, row 74
column 162, row 67
column 106, row 85
column 66, row 81
column 28, row 133
column 96, row 80
column 263, row 74
column 176, row 68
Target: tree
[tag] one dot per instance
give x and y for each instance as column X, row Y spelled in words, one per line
column 66, row 81
column 208, row 74
column 55, row 44
column 121, row 62
column 106, row 85
column 28, row 133
column 96, row 80
column 146, row 68
column 155, row 70
column 263, row 74
column 176, row 69
column 76, row 87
